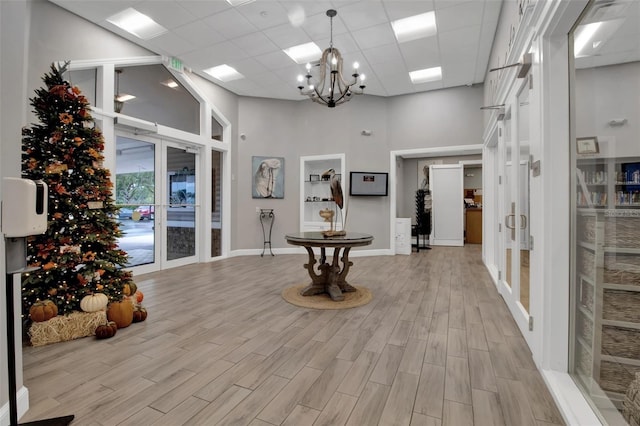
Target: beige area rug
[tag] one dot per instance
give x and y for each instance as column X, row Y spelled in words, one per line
column 360, row 297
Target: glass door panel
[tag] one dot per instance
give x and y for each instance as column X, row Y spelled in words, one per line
column 135, row 196
column 509, row 201
column 181, row 205
column 524, row 221
column 216, row 203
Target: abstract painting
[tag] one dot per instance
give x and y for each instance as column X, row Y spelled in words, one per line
column 268, row 177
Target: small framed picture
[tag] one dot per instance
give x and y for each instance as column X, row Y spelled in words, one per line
column 314, row 178
column 587, row 145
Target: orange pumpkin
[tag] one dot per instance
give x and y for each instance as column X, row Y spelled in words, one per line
column 138, row 296
column 43, row 311
column 121, row 313
column 139, row 315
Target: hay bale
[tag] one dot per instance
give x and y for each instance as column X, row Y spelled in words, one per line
column 631, row 403
column 66, row 327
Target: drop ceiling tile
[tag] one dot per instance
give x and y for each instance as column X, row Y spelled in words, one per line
column 309, row 8
column 421, row 53
column 199, row 34
column 343, row 42
column 201, row 9
column 285, row 36
column 405, row 8
column 444, row 4
column 363, row 14
column 461, row 16
column 264, row 14
column 170, row 44
column 318, row 26
column 423, row 87
column 248, row 67
column 289, row 75
column 389, row 52
column 96, row 11
column 204, row 33
column 230, row 24
column 459, row 42
column 390, row 68
column 371, row 37
column 275, row 60
column 170, row 15
column 255, row 44
column 397, row 85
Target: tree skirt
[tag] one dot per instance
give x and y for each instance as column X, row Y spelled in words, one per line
column 360, row 297
column 62, row 328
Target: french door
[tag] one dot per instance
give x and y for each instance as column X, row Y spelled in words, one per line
column 157, row 192
column 514, row 282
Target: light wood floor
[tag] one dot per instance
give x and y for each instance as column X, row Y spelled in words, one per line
column 436, row 346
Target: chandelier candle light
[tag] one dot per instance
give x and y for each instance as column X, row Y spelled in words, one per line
column 331, row 89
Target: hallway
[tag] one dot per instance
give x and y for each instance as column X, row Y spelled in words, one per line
column 436, row 346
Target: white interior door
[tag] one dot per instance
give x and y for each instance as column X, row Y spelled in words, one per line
column 515, row 272
column 447, row 188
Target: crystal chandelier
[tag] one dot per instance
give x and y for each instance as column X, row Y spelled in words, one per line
column 330, row 88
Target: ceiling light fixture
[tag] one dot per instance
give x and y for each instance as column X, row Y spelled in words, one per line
column 136, row 23
column 224, row 73
column 120, row 98
column 170, row 83
column 331, row 89
column 236, row 3
column 415, row 27
column 426, row 75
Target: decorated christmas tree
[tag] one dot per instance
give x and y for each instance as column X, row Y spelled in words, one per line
column 78, row 255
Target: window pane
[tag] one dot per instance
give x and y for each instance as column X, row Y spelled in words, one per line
column 605, row 334
column 159, row 97
column 135, row 195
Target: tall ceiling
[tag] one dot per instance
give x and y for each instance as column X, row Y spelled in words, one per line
column 251, row 37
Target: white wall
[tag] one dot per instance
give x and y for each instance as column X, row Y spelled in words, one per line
column 606, row 93
column 14, row 27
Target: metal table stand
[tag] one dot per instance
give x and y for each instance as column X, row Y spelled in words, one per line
column 266, row 218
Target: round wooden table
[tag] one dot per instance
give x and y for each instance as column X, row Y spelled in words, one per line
column 331, row 278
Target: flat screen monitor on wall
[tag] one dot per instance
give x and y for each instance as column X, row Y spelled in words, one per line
column 368, row 183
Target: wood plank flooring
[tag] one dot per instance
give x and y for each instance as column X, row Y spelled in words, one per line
column 436, row 346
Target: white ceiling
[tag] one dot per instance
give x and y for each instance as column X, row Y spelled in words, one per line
column 250, row 38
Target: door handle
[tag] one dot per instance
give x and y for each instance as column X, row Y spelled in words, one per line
column 523, row 221
column 506, row 221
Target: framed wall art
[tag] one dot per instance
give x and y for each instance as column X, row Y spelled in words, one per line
column 267, row 177
column 587, row 145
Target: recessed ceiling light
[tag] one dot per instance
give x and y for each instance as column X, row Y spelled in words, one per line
column 224, row 73
column 236, row 3
column 124, row 97
column 304, row 53
column 426, row 75
column 170, row 83
column 415, row 27
column 136, row 23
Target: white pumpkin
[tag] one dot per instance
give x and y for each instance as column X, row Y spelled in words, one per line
column 94, row 302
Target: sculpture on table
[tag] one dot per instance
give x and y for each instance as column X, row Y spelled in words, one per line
column 327, row 215
column 336, row 194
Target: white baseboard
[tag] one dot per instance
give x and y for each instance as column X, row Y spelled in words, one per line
column 23, row 406
column 570, row 401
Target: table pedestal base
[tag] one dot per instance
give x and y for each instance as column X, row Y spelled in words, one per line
column 332, row 277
